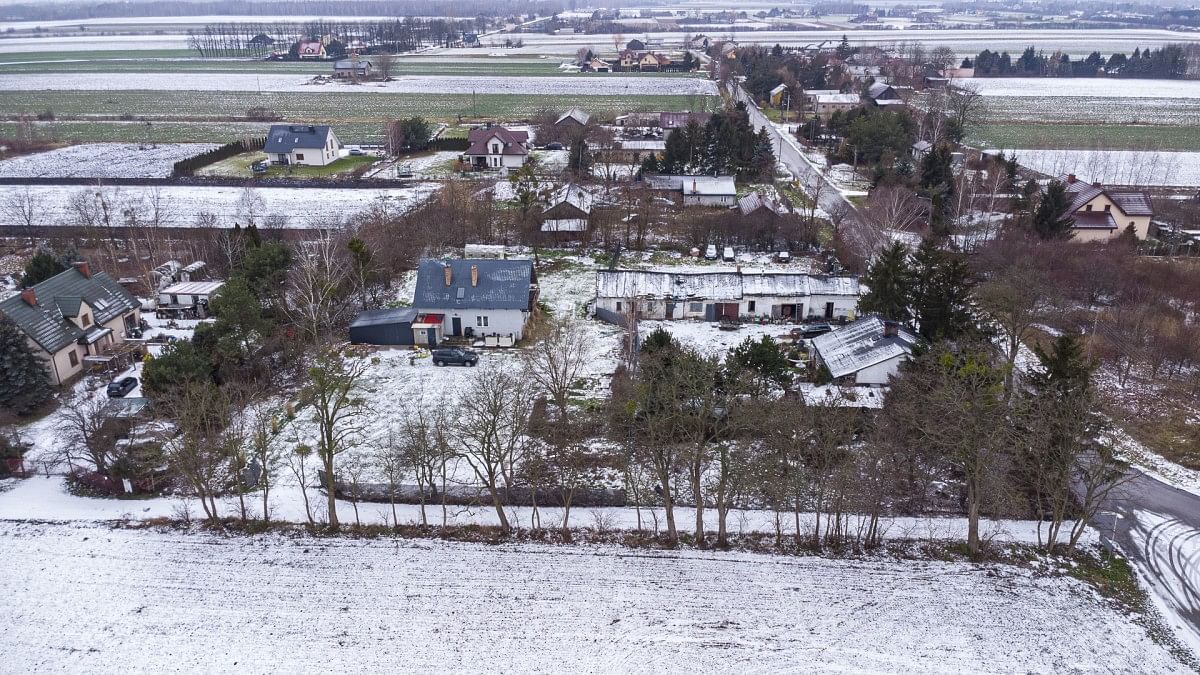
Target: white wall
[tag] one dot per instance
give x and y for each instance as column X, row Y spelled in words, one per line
column 708, row 200
column 879, row 373
column 499, row 321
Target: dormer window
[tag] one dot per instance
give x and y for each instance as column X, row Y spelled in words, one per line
column 1107, row 208
column 86, row 320
column 1088, row 207
column 495, row 148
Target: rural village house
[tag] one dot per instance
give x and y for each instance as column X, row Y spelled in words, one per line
column 1100, row 213
column 494, row 147
column 724, row 294
column 575, row 118
column 882, row 94
column 709, row 191
column 350, row 69
column 827, row 104
column 311, row 49
column 568, row 210
column 74, row 318
column 865, row 352
column 475, row 297
column 758, row 204
column 307, row 145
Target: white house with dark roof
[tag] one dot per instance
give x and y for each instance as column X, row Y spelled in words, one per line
column 304, row 144
column 866, row 352
column 494, row 147
column 712, row 295
column 476, row 297
column 1100, row 214
column 73, row 318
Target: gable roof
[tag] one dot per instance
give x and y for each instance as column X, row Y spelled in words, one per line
column 310, row 47
column 347, row 64
column 513, row 141
column 709, row 185
column 572, row 194
column 881, row 89
column 860, row 345
column 921, row 146
column 503, row 284
column 779, row 89
column 284, row 138
column 1130, row 202
column 755, row 201
column 575, row 114
column 837, row 98
column 47, row 323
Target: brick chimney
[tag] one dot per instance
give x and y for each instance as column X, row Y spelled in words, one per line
column 83, row 268
column 1070, row 178
column 474, row 276
column 891, row 329
column 29, row 296
column 446, row 272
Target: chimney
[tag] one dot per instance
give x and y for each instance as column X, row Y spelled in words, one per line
column 1096, row 183
column 447, row 273
column 891, row 329
column 474, row 276
column 694, row 189
column 29, row 296
column 83, row 268
column 1070, row 178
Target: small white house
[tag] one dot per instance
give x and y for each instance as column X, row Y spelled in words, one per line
column 709, row 191
column 866, row 352
column 476, row 298
column 307, row 145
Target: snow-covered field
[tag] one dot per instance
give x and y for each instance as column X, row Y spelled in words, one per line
column 1119, row 167
column 1055, row 87
column 103, row 160
column 181, row 205
column 407, row 84
column 84, row 598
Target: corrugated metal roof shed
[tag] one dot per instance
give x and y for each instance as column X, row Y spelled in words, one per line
column 860, row 345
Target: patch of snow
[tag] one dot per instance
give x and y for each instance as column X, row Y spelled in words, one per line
column 103, row 160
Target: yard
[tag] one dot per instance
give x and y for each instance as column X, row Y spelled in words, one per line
column 238, row 166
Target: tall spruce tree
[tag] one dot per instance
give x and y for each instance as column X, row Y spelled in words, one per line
column 889, row 282
column 1050, row 219
column 43, row 265
column 941, row 293
column 24, row 382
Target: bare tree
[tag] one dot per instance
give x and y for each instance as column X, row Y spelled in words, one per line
column 316, row 286
column 199, row 455
column 25, row 209
column 384, row 63
column 297, row 461
column 85, row 427
column 492, row 425
column 338, row 413
column 556, row 361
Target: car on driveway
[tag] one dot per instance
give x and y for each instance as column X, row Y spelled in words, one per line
column 710, row 252
column 811, row 331
column 455, row 356
column 119, row 388
column 260, row 167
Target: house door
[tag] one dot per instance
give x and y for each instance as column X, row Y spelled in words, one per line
column 456, row 326
column 829, row 310
column 727, row 310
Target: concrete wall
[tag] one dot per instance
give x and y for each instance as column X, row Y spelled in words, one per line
column 813, row 306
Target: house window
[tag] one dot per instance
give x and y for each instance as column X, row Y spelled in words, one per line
column 481, row 321
column 299, row 156
column 750, row 306
column 697, row 306
column 1088, row 207
column 87, row 320
column 1107, row 208
column 74, row 358
column 495, row 149
column 618, row 305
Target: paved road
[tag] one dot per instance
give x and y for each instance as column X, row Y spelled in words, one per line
column 1158, row 529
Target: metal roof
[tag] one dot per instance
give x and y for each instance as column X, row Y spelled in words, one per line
column 193, row 288
column 381, row 317
column 755, row 201
column 283, row 138
column 860, row 345
column 718, row 285
column 46, row 324
column 572, row 194
column 503, row 284
column 709, row 185
column 838, row 98
column 577, row 114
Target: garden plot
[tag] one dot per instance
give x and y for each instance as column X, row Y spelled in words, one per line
column 87, row 598
column 103, row 160
column 1117, row 167
column 404, row 84
column 180, row 206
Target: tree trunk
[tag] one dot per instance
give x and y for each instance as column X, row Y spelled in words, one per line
column 972, row 517
column 329, row 492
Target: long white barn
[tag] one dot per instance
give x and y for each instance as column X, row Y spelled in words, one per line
column 725, row 294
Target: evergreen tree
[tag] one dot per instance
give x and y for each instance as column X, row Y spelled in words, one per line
column 650, row 164
column 762, row 165
column 43, row 265
column 579, row 160
column 889, row 282
column 1065, row 370
column 180, row 363
column 941, row 293
column 936, row 171
column 1050, row 219
column 24, row 381
column 765, row 359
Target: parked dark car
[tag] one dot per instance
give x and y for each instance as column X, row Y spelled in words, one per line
column 812, row 330
column 260, row 167
column 455, row 356
column 118, row 388
column 554, row 146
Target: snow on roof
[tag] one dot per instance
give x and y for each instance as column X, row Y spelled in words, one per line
column 45, row 323
column 193, row 288
column 755, row 201
column 718, row 284
column 861, row 344
column 922, row 146
column 576, row 114
column 574, row 195
column 709, row 185
column 837, row 98
column 1130, row 202
column 779, row 89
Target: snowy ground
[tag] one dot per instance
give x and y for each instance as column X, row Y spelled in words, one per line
column 103, row 160
column 1052, row 87
column 1117, row 167
column 406, row 84
column 303, row 207
column 83, row 598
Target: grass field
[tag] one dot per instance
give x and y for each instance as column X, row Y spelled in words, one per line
column 1087, row 136
column 238, row 166
column 181, row 116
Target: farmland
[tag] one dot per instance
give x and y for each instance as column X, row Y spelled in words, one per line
column 103, row 160
column 1117, row 167
column 1034, row 135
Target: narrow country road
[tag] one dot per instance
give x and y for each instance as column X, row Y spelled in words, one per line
column 1158, row 529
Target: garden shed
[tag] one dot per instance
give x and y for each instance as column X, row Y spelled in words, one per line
column 384, row 327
